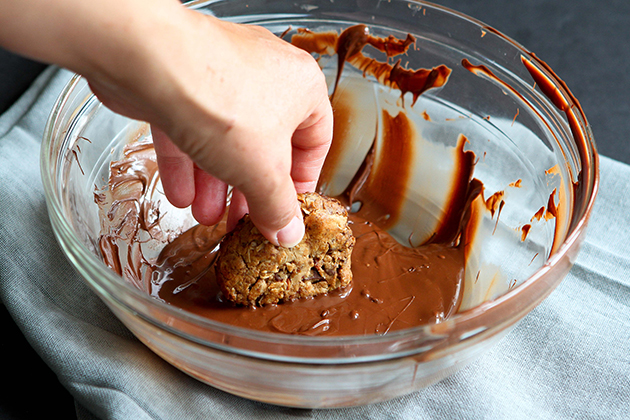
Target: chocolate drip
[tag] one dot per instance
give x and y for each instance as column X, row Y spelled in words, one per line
column 349, row 48
column 349, row 196
column 463, row 191
column 381, row 184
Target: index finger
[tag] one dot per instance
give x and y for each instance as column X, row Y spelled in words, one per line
column 311, row 142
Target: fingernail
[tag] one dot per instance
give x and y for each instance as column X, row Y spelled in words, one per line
column 291, row 234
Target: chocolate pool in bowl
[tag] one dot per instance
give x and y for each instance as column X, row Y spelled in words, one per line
column 447, row 134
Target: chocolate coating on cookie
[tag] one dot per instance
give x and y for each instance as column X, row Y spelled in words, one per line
column 252, row 271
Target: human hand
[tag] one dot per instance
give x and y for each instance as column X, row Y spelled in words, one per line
column 232, row 104
column 227, row 103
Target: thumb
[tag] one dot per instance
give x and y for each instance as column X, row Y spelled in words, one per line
column 276, row 213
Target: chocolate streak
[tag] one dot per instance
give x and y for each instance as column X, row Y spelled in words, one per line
column 574, row 115
column 349, row 47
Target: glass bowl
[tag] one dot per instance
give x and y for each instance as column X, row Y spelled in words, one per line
column 535, row 155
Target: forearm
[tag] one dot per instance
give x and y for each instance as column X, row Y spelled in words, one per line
column 88, row 37
column 128, row 50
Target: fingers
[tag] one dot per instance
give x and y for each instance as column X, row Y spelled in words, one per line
column 274, row 209
column 238, row 208
column 273, row 206
column 176, row 170
column 272, row 203
column 271, row 197
column 292, row 233
column 185, row 184
column 208, row 205
column 311, row 142
column 268, row 154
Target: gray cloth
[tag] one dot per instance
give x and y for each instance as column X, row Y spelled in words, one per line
column 569, row 358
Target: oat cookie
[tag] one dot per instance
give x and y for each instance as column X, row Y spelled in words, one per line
column 252, row 271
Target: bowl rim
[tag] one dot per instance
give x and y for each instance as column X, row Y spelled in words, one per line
column 467, row 322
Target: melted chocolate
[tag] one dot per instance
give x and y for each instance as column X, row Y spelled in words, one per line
column 394, row 286
column 540, row 73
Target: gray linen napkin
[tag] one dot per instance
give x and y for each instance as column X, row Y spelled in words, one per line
column 569, row 358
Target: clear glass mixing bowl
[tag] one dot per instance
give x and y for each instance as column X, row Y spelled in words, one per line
column 532, row 142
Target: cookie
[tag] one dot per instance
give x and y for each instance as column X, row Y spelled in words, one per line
column 252, row 271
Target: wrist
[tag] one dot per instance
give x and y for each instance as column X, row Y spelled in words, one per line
column 133, row 62
column 120, row 45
